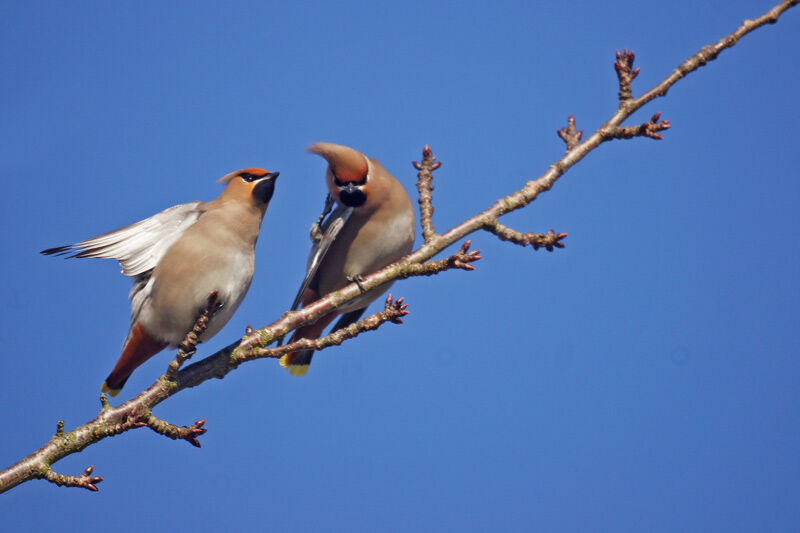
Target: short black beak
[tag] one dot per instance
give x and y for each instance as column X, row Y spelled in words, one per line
column 265, row 187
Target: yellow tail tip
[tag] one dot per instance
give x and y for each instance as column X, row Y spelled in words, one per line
column 295, row 370
column 108, row 390
column 298, row 370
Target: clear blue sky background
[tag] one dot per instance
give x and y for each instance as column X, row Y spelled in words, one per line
column 643, row 379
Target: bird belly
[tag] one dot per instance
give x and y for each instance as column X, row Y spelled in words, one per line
column 178, row 298
column 372, row 248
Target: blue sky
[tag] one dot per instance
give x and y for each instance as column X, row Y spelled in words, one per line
column 642, row 379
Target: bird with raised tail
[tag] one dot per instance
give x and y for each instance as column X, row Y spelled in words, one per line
column 177, row 259
column 371, row 227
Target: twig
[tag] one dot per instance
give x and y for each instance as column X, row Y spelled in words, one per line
column 460, row 260
column 84, row 481
column 392, row 312
column 648, row 129
column 549, row 240
column 187, row 433
column 569, row 134
column 189, row 345
column 425, row 186
column 625, row 74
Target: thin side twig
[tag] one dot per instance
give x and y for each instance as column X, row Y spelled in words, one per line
column 548, row 241
column 425, row 186
column 569, row 134
column 648, row 129
column 188, row 347
column 84, row 481
column 625, row 74
column 392, row 312
column 462, row 260
column 187, row 433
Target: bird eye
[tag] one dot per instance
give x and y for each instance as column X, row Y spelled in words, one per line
column 248, row 177
column 340, row 183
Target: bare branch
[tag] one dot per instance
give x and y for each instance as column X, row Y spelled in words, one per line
column 187, row 433
column 392, row 312
column 461, row 260
column 84, row 481
column 425, row 186
column 625, row 74
column 189, row 345
column 548, row 240
column 131, row 414
column 648, row 129
column 569, row 134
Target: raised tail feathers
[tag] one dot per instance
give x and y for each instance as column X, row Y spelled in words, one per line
column 139, row 348
column 297, row 362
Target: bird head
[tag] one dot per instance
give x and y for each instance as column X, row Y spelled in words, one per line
column 348, row 176
column 254, row 185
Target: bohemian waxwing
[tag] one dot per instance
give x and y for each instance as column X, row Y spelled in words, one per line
column 177, row 259
column 371, row 227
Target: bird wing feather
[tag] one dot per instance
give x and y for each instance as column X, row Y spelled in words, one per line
column 331, row 229
column 140, row 246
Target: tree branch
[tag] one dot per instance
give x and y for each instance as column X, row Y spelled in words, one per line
column 647, row 129
column 549, row 240
column 425, row 186
column 137, row 411
column 569, row 134
column 84, row 481
column 189, row 344
column 392, row 312
column 187, row 433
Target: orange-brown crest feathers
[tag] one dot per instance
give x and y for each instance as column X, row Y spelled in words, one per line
column 346, row 163
column 254, row 170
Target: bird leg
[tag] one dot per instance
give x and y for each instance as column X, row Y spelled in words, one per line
column 357, row 279
column 316, row 229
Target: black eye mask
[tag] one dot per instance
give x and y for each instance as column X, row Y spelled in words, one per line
column 352, row 196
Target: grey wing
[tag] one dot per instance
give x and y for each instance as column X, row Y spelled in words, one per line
column 140, row 294
column 140, row 246
column 332, row 227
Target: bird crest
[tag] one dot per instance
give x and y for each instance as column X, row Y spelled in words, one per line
column 346, row 163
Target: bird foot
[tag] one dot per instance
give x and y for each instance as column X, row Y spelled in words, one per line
column 316, row 229
column 358, row 279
